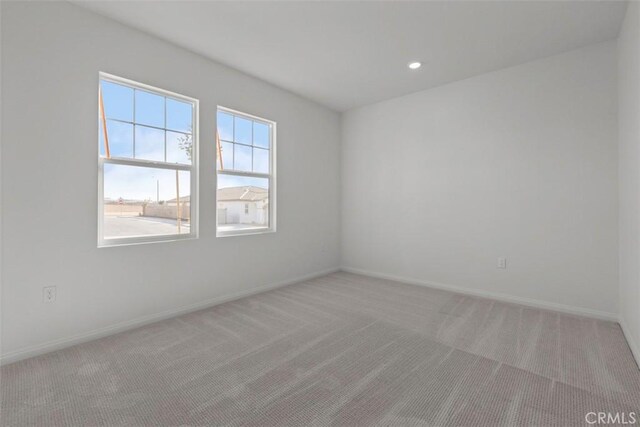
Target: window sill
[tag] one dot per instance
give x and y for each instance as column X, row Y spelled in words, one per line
column 247, row 232
column 132, row 241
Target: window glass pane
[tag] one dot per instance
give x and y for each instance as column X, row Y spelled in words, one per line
column 225, row 126
column 227, row 156
column 101, row 148
column 242, row 158
column 140, row 201
column 234, row 194
column 179, row 115
column 149, row 143
column 118, row 101
column 120, row 136
column 179, row 146
column 120, row 139
column 243, row 201
column 260, row 135
column 242, row 130
column 260, row 160
column 149, row 109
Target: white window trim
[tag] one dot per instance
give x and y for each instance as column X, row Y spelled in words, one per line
column 271, row 176
column 193, row 168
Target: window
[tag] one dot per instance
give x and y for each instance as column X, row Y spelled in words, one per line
column 148, row 157
column 245, row 146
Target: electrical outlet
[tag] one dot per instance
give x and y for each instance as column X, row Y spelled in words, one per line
column 49, row 294
column 502, row 263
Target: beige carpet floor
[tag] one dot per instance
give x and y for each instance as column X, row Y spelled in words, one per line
column 338, row 350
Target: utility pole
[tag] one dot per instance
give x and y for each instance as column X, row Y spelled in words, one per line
column 178, row 213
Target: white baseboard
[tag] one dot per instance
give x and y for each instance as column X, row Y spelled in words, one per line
column 58, row 344
column 492, row 295
column 61, row 343
column 633, row 344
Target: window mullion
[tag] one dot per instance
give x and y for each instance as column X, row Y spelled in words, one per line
column 247, row 174
column 147, row 164
column 134, row 124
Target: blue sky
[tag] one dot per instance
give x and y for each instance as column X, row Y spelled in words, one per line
column 234, row 132
column 245, row 144
column 137, row 183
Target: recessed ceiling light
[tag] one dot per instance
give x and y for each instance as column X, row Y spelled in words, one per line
column 415, row 65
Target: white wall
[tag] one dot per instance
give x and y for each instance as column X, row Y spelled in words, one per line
column 629, row 174
column 52, row 53
column 520, row 163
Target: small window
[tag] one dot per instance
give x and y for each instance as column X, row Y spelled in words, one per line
column 245, row 147
column 148, row 149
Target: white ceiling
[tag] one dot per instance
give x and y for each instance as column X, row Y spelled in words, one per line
column 349, row 54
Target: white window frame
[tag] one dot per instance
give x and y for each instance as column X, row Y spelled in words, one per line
column 271, row 176
column 193, row 169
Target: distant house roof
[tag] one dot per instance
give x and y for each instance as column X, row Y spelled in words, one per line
column 246, row 193
column 182, row 199
column 229, row 194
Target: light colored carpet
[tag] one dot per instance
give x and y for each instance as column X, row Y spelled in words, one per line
column 338, row 350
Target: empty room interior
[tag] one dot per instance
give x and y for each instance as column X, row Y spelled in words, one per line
column 319, row 213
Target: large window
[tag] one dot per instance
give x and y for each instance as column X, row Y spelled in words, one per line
column 245, row 148
column 148, row 156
